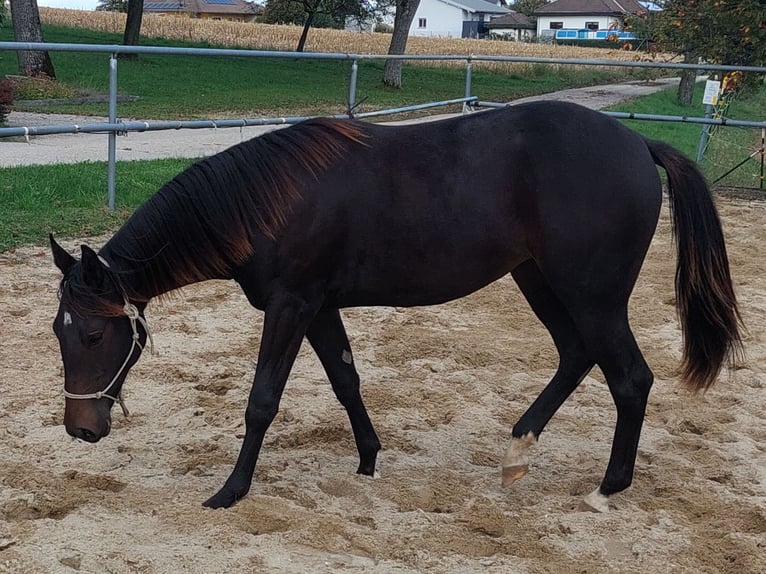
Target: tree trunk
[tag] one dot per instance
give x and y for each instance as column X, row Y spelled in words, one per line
column 309, row 20
column 133, row 26
column 25, row 17
column 686, row 87
column 405, row 12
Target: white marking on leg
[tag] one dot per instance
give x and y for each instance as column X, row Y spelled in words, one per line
column 595, row 502
column 346, row 357
column 67, row 319
column 515, row 463
column 516, row 454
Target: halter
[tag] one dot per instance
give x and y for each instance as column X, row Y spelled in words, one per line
column 131, row 311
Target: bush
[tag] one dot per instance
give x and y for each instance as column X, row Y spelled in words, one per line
column 6, row 99
column 40, row 88
column 628, row 45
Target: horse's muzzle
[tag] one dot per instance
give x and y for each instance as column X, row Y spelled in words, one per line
column 86, row 424
column 86, row 435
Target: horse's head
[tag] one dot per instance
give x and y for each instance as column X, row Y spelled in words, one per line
column 100, row 340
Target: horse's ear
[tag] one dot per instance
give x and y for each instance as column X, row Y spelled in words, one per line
column 93, row 271
column 61, row 256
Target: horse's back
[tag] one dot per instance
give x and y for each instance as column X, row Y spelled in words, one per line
column 556, row 152
column 422, row 214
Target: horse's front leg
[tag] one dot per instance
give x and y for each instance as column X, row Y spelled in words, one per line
column 286, row 320
column 328, row 338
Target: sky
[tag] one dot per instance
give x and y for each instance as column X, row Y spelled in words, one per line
column 74, row 4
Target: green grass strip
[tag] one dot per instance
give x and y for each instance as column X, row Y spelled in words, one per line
column 69, row 200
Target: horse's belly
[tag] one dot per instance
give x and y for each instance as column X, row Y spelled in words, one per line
column 415, row 281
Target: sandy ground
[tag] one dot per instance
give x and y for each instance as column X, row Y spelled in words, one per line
column 443, row 385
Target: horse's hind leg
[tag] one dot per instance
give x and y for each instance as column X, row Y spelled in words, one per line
column 610, row 340
column 598, row 306
column 328, row 339
column 574, row 364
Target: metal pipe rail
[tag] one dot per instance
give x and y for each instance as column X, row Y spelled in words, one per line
column 654, row 117
column 122, row 127
column 114, row 127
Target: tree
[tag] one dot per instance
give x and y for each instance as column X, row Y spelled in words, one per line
column 716, row 31
column 135, row 11
column 527, row 7
column 112, row 6
column 308, row 13
column 133, row 25
column 283, row 12
column 25, row 17
column 311, row 8
column 405, row 13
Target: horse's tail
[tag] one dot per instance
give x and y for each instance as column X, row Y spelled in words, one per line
column 707, row 306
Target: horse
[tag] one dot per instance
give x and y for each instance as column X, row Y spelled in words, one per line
column 329, row 214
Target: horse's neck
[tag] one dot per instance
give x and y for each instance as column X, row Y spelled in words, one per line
column 151, row 266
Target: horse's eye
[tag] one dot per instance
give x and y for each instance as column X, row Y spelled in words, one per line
column 95, row 338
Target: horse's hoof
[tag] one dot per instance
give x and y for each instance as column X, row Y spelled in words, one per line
column 366, row 469
column 221, row 499
column 515, row 463
column 594, row 502
column 513, row 473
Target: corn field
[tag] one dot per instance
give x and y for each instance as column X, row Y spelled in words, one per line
column 285, row 38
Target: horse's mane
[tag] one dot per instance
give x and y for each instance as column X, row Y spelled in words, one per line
column 83, row 299
column 202, row 223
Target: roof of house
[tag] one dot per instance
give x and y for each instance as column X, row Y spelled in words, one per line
column 512, row 20
column 201, row 6
column 615, row 7
column 478, row 6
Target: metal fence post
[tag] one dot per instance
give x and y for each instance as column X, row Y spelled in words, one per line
column 704, row 134
column 468, row 74
column 112, row 153
column 763, row 151
column 352, row 87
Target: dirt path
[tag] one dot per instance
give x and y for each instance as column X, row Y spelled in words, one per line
column 444, row 385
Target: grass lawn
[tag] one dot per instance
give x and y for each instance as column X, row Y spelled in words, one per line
column 682, row 136
column 186, row 87
column 68, row 200
column 728, row 146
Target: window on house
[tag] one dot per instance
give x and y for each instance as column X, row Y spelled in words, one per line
column 421, row 22
column 591, row 25
column 557, row 25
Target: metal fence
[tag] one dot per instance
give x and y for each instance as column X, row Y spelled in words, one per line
column 115, row 127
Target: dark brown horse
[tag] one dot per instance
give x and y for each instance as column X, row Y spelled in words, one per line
column 331, row 214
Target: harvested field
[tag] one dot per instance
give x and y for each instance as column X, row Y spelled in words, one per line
column 443, row 385
column 282, row 37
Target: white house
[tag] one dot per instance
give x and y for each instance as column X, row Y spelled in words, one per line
column 454, row 18
column 383, row 13
column 585, row 15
